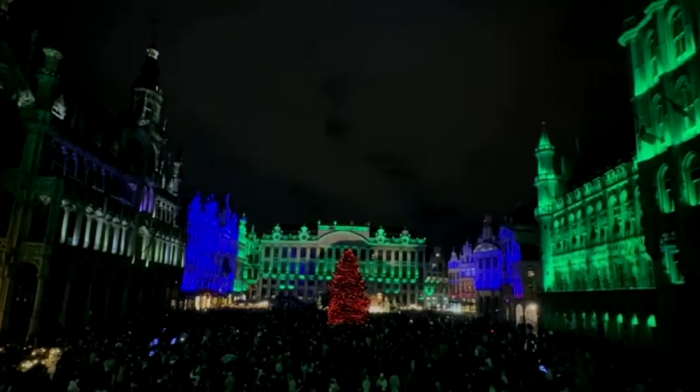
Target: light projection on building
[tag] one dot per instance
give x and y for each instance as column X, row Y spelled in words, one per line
column 591, row 237
column 301, row 262
column 212, row 247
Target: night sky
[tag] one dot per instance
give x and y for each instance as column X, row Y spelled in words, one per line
column 435, row 105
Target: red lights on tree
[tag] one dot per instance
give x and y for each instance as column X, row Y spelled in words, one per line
column 348, row 303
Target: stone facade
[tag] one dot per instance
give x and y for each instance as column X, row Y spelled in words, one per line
column 618, row 252
column 90, row 223
column 301, row 263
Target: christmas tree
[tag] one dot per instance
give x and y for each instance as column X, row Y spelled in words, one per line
column 348, row 303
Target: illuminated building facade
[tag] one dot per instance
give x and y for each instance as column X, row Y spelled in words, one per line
column 520, row 241
column 210, row 257
column 461, row 271
column 666, row 76
column 90, row 202
column 489, row 262
column 435, row 280
column 301, row 263
column 218, row 257
column 618, row 253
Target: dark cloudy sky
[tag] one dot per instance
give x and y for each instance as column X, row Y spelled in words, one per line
column 439, row 101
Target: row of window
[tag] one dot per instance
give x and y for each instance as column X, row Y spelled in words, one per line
column 115, row 237
column 655, row 58
column 689, row 187
column 336, row 253
column 618, row 217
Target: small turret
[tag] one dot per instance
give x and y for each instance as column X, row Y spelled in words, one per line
column 547, row 180
column 487, row 230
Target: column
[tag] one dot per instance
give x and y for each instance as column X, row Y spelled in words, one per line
column 88, row 227
column 145, row 242
column 168, row 253
column 130, row 246
column 116, row 230
column 105, row 239
column 36, row 312
column 122, row 246
column 78, row 227
column 100, row 226
column 66, row 216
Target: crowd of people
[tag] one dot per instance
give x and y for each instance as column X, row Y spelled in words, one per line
column 295, row 350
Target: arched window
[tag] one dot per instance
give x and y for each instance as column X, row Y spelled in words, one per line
column 663, row 194
column 614, row 211
column 678, row 31
column 602, row 221
column 686, row 100
column 654, row 58
column 626, row 213
column 660, row 113
column 590, row 214
column 580, row 238
column 691, row 178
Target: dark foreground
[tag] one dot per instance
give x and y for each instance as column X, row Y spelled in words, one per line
column 292, row 350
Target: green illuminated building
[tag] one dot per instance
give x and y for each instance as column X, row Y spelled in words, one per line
column 301, row 263
column 617, row 253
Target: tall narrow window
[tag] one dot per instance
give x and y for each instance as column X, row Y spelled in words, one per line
column 664, row 195
column 691, row 178
column 678, row 29
column 654, row 58
column 685, row 97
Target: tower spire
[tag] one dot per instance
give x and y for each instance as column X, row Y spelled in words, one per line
column 147, row 95
column 547, row 180
column 544, row 138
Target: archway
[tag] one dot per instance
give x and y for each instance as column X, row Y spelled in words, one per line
column 24, row 283
column 531, row 315
column 519, row 313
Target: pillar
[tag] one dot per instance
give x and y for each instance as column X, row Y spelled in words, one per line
column 122, row 245
column 88, row 227
column 36, row 312
column 98, row 234
column 105, row 239
column 78, row 227
column 66, row 216
column 116, row 231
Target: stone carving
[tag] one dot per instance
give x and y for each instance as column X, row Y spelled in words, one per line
column 381, row 235
column 59, row 108
column 25, row 99
column 304, row 233
column 277, row 233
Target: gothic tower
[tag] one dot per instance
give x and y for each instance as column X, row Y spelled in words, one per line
column 548, row 189
column 147, row 97
column 144, row 140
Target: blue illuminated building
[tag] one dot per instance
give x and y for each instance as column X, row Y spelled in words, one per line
column 212, row 248
column 495, row 262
